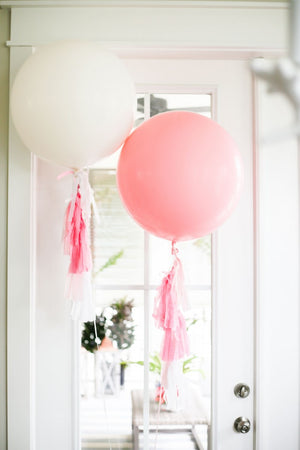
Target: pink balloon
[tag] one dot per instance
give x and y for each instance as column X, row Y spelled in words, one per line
column 180, row 175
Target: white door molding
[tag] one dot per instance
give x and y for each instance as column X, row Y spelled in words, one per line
column 20, row 304
column 277, row 306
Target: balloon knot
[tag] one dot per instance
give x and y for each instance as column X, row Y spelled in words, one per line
column 174, row 248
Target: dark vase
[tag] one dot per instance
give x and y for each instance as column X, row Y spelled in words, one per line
column 122, row 375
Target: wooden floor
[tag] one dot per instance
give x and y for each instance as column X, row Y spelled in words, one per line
column 106, row 425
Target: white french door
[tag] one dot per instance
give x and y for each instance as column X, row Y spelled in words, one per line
column 230, row 85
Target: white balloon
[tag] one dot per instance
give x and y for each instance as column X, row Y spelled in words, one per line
column 72, row 103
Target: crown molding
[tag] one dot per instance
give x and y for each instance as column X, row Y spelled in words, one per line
column 144, row 3
column 148, row 50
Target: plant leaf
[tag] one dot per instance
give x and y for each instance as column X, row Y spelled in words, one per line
column 112, row 261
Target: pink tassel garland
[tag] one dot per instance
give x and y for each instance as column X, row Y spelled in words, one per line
column 170, row 301
column 76, row 245
column 75, row 238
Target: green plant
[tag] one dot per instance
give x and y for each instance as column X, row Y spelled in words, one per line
column 188, row 366
column 88, row 336
column 190, row 322
column 112, row 261
column 124, row 363
column 155, row 364
column 121, row 328
column 204, row 244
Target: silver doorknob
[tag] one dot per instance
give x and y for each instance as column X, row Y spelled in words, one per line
column 242, row 425
column 241, row 390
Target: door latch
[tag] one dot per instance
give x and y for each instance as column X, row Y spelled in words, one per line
column 242, row 425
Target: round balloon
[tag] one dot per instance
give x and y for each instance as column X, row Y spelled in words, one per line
column 180, row 175
column 72, row 103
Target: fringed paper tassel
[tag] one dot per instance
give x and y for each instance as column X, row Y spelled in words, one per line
column 168, row 315
column 76, row 244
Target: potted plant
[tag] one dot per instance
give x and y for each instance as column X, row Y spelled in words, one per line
column 121, row 328
column 88, row 335
column 89, row 339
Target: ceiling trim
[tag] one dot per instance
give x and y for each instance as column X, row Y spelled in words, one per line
column 144, row 3
column 132, row 50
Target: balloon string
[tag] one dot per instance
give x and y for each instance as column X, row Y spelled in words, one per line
column 96, row 335
column 158, row 417
column 106, row 420
column 103, row 394
column 64, row 174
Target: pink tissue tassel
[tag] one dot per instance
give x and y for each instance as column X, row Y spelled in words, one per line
column 169, row 303
column 76, row 245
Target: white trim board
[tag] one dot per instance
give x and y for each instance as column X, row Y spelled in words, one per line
column 148, row 50
column 143, row 3
column 219, row 31
column 20, row 384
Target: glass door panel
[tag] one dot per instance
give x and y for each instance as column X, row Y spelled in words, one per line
column 128, row 267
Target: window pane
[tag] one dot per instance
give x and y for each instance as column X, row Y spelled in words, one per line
column 198, row 319
column 104, row 298
column 140, row 110
column 111, row 161
column 197, row 366
column 195, row 257
column 117, row 241
column 106, row 397
column 199, row 103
